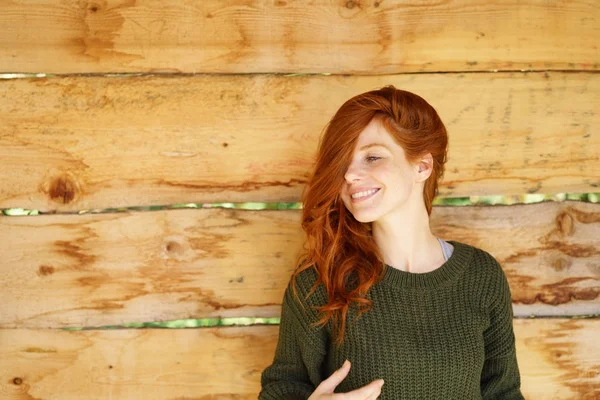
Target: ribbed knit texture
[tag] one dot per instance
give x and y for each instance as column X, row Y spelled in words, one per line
column 445, row 334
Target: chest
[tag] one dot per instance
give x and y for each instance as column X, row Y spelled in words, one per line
column 433, row 342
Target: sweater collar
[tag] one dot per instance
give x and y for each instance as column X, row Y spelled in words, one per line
column 459, row 259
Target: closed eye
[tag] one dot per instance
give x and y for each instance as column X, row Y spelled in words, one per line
column 376, row 158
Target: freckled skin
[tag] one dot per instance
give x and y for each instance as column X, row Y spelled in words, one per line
column 397, row 212
column 389, row 171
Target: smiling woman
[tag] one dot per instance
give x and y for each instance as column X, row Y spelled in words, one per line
column 428, row 317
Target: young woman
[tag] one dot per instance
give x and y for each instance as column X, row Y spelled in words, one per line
column 418, row 317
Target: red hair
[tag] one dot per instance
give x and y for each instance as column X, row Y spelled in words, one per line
column 337, row 246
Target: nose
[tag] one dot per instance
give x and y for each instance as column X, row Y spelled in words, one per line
column 353, row 173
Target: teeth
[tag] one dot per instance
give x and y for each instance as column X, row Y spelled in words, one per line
column 363, row 194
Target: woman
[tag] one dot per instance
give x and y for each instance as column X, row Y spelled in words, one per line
column 418, row 317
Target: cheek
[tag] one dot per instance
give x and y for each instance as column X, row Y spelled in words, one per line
column 395, row 178
column 345, row 198
column 387, row 175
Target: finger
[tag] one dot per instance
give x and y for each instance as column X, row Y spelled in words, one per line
column 375, row 395
column 329, row 384
column 372, row 390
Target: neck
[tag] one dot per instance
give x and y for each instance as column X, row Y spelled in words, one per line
column 406, row 242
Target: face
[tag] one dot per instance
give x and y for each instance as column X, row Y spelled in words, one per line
column 379, row 163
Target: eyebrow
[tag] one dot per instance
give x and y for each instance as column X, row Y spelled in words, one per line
column 373, row 145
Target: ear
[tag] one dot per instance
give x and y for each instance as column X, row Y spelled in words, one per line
column 424, row 167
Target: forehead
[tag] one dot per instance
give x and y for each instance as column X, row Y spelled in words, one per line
column 375, row 133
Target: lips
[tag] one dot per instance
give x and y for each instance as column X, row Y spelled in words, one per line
column 358, row 200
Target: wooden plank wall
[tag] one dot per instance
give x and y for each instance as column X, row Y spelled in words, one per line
column 141, row 103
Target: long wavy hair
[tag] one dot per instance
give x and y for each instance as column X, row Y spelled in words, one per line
column 337, row 246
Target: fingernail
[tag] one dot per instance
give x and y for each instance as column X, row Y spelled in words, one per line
column 346, row 363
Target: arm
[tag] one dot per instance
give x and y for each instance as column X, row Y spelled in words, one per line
column 500, row 377
column 295, row 371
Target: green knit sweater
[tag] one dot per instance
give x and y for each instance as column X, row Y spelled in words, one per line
column 444, row 334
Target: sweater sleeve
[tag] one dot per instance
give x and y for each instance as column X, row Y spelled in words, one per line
column 296, row 369
column 500, row 378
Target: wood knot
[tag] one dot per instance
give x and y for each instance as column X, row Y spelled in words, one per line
column 173, row 247
column 63, row 189
column 560, row 264
column 95, row 6
column 565, row 224
column 350, row 4
column 45, row 270
column 558, row 354
column 17, row 381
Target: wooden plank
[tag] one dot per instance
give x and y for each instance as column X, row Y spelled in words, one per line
column 106, row 269
column 354, row 37
column 96, row 142
column 558, row 359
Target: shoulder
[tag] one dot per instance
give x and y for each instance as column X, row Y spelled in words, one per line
column 305, row 302
column 304, row 283
column 481, row 262
column 486, row 272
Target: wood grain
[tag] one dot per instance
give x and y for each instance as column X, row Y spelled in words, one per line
column 557, row 359
column 96, row 142
column 107, row 269
column 83, row 142
column 341, row 37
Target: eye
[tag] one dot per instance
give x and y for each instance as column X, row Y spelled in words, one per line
column 373, row 157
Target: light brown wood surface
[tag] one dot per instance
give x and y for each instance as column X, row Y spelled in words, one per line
column 106, row 269
column 557, row 357
column 239, row 36
column 97, row 142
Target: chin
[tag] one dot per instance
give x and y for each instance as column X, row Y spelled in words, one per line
column 364, row 217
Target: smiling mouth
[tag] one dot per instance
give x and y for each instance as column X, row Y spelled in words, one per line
column 360, row 199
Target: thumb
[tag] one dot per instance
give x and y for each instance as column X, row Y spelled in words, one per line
column 329, row 384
